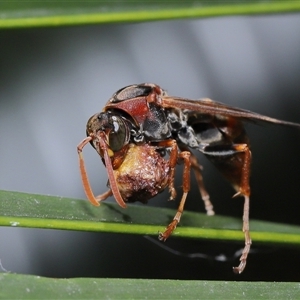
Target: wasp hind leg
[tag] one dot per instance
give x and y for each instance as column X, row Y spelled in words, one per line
column 233, row 161
column 244, row 190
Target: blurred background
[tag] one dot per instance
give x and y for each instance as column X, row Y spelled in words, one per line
column 53, row 79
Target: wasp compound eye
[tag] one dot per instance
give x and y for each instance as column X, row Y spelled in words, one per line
column 119, row 134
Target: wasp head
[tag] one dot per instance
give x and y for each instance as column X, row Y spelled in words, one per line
column 113, row 129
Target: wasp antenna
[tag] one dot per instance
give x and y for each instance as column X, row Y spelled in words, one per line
column 112, row 180
column 85, row 181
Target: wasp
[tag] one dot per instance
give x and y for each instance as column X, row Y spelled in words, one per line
column 142, row 134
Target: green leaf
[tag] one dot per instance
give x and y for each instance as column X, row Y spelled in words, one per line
column 34, row 287
column 59, row 13
column 38, row 211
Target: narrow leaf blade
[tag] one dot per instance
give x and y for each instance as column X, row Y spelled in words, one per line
column 15, row 286
column 61, row 13
column 39, row 211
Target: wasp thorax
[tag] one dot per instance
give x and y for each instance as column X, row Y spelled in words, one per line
column 137, row 90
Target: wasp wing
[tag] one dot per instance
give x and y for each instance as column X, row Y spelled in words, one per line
column 208, row 106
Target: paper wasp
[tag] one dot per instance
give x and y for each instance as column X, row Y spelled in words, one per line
column 142, row 133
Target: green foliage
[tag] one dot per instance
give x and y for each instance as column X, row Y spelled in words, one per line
column 60, row 13
column 35, row 287
column 38, row 211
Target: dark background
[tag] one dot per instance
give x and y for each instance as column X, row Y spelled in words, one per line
column 53, row 80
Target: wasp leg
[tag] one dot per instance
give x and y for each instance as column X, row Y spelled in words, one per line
column 204, row 194
column 244, row 190
column 185, row 155
column 198, row 174
column 234, row 163
column 243, row 259
column 172, row 164
column 104, row 196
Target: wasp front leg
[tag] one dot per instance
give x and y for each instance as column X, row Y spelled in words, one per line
column 185, row 155
column 104, row 196
column 234, row 163
column 173, row 158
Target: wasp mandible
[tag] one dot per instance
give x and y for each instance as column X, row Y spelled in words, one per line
column 142, row 134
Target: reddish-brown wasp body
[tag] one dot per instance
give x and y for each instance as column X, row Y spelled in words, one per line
column 141, row 124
